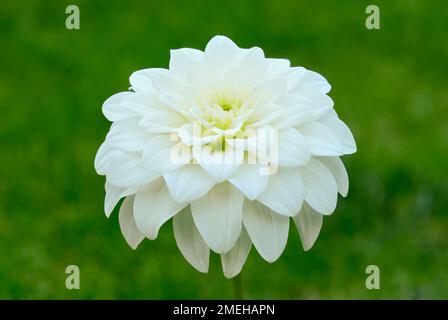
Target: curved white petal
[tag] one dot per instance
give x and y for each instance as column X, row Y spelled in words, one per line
column 284, row 193
column 160, row 154
column 220, row 165
column 308, row 223
column 191, row 135
column 220, row 52
column 292, row 148
column 218, row 216
column 163, row 121
column 108, row 160
column 268, row 91
column 112, row 107
column 264, row 114
column 250, row 180
column 321, row 140
column 130, row 105
column 233, row 261
column 302, row 81
column 185, row 61
column 278, row 67
column 125, row 135
column 267, row 230
column 157, row 80
column 177, row 103
column 153, row 206
column 342, row 132
column 303, row 109
column 188, row 183
column 337, row 168
column 245, row 73
column 130, row 174
column 101, row 164
column 320, row 188
column 127, row 223
column 189, row 241
column 141, row 81
column 113, row 195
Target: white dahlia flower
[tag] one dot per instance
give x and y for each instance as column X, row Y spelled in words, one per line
column 185, row 144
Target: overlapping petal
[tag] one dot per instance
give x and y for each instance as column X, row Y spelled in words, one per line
column 284, row 193
column 233, row 261
column 153, row 206
column 308, row 223
column 128, row 227
column 320, row 188
column 218, row 216
column 189, row 241
column 267, row 229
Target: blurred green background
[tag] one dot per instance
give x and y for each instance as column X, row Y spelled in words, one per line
column 390, row 86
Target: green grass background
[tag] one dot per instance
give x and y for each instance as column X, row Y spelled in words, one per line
column 390, row 86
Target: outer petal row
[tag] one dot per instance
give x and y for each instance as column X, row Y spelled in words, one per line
column 218, row 216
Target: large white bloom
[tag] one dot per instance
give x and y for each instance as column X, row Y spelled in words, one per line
column 228, row 93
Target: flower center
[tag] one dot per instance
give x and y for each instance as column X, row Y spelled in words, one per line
column 226, row 106
column 223, row 112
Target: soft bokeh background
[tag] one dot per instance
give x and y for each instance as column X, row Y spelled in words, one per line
column 390, row 86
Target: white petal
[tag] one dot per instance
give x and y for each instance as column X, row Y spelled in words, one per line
column 221, row 52
column 292, row 148
column 233, row 261
column 189, row 241
column 218, row 216
column 303, row 109
column 185, row 61
column 308, row 223
column 130, row 174
column 188, row 183
column 177, row 103
column 160, row 154
column 315, row 81
column 157, row 80
column 113, row 195
column 220, row 165
column 250, row 180
column 337, row 168
column 284, row 193
column 278, row 67
column 126, row 135
column 321, row 140
column 268, row 91
column 141, row 82
column 122, row 169
column 153, row 206
column 191, row 134
column 126, row 105
column 264, row 114
column 303, row 80
column 163, row 121
column 112, row 107
column 128, row 141
column 245, row 73
column 127, row 223
column 267, row 230
column 342, row 132
column 101, row 164
column 320, row 188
